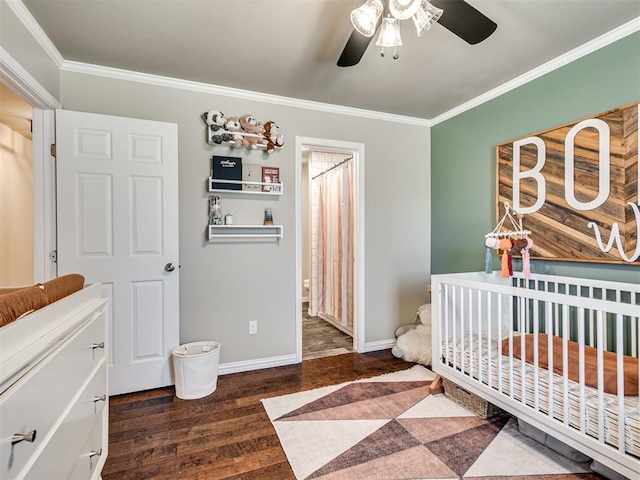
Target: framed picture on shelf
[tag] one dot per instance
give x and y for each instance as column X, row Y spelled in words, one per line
column 227, row 168
column 271, row 175
column 251, row 173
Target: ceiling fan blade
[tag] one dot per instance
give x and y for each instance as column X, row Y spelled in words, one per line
column 465, row 21
column 354, row 49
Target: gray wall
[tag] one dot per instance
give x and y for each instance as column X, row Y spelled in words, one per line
column 20, row 44
column 463, row 155
column 223, row 287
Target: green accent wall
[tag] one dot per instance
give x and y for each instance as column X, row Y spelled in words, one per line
column 463, row 154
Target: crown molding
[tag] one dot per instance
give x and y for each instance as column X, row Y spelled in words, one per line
column 109, row 72
column 35, row 29
column 24, row 84
column 585, row 49
column 150, row 79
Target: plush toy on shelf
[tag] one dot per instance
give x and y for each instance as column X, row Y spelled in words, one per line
column 413, row 342
column 272, row 136
column 233, row 126
column 216, row 122
column 244, row 131
column 254, row 129
column 215, row 119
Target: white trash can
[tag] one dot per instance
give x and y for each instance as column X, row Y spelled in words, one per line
column 195, row 366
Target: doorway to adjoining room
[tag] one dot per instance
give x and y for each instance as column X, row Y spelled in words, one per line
column 329, row 223
column 16, row 190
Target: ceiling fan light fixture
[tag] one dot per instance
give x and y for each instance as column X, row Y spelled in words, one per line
column 365, row 18
column 403, row 9
column 426, row 16
column 462, row 19
column 389, row 33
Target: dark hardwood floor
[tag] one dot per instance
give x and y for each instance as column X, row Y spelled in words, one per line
column 227, row 435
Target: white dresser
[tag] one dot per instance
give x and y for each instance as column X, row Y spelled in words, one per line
column 53, row 391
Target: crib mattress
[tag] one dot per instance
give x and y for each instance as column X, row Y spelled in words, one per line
column 500, row 380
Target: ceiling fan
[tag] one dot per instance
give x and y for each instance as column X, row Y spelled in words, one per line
column 456, row 16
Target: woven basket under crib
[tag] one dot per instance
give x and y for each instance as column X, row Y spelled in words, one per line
column 469, row 401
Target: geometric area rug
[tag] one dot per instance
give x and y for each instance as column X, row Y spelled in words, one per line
column 390, row 428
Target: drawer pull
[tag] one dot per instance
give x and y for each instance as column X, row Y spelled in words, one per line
column 97, row 345
column 23, row 437
column 100, row 398
column 94, row 453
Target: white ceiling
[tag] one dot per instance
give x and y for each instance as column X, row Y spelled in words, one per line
column 290, row 47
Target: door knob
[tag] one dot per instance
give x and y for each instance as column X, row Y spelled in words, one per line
column 169, row 267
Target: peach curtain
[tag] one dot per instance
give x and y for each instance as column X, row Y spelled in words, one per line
column 335, row 244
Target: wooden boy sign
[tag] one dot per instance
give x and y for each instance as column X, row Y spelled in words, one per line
column 577, row 186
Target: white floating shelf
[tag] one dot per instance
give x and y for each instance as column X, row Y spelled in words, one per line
column 245, row 231
column 262, row 144
column 273, row 188
column 231, row 144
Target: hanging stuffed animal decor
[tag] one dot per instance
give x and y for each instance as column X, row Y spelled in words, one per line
column 503, row 239
column 244, row 131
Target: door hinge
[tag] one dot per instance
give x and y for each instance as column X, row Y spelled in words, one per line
column 53, row 256
column 53, row 149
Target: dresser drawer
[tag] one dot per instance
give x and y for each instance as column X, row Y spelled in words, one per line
column 91, row 460
column 65, row 446
column 38, row 399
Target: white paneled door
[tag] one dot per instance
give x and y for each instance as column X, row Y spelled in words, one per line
column 117, row 208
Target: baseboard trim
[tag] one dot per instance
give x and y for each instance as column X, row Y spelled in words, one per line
column 379, row 345
column 282, row 360
column 248, row 365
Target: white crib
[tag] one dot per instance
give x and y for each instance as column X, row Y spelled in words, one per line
column 474, row 313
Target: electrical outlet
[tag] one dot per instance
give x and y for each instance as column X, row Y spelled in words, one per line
column 253, row 327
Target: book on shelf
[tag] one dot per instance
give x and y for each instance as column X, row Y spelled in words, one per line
column 227, row 168
column 271, row 175
column 251, row 173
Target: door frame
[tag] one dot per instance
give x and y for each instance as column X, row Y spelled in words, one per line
column 359, row 155
column 44, row 105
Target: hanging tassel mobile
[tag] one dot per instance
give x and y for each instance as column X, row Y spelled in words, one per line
column 488, row 260
column 491, row 244
column 505, row 246
column 526, row 261
column 506, row 240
